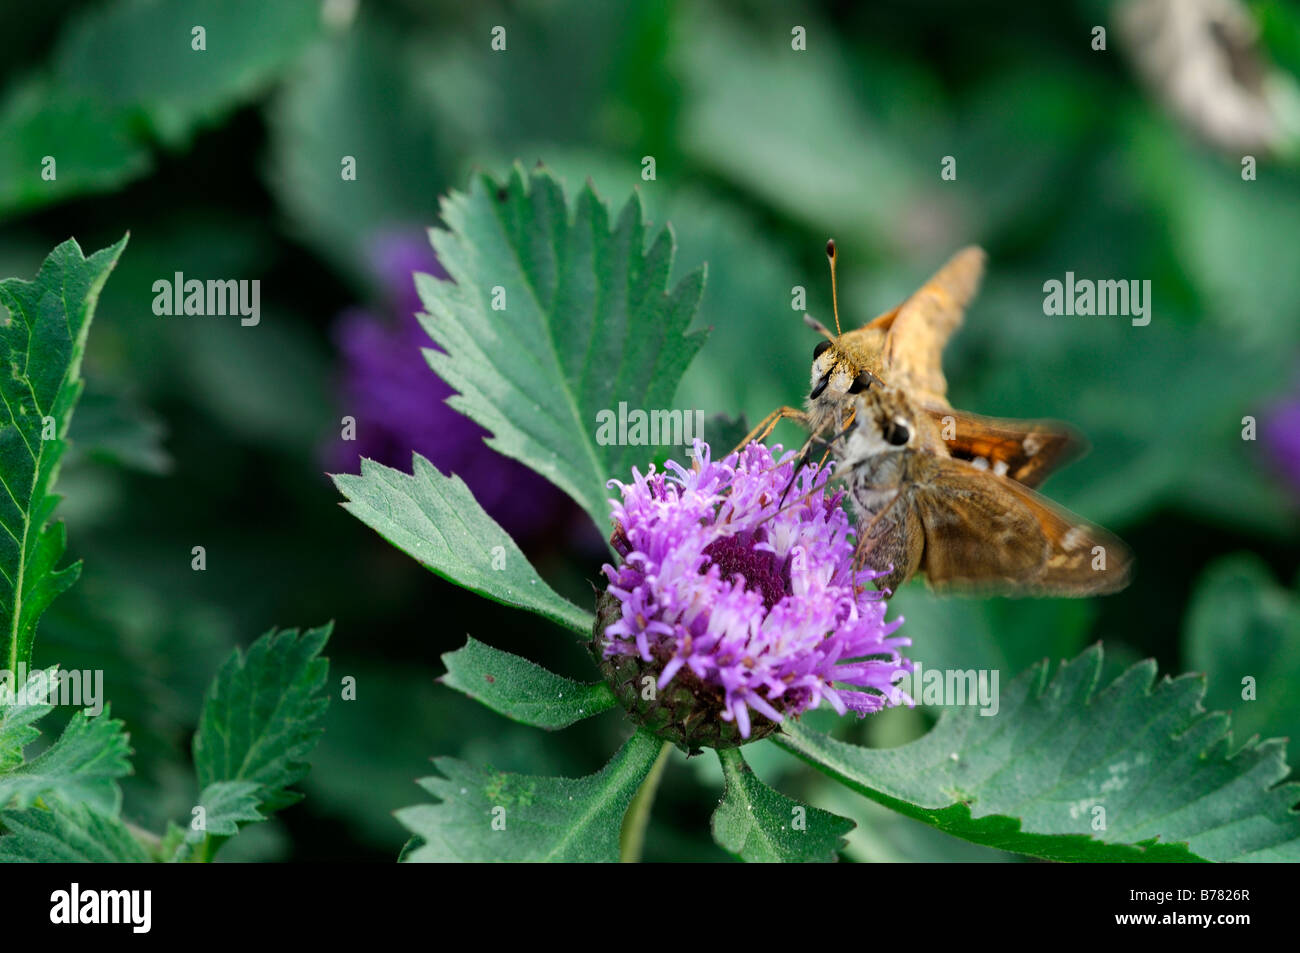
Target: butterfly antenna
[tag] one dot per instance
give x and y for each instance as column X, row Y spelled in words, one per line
column 835, row 301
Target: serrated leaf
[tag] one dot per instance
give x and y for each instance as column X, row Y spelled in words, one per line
column 1242, row 625
column 588, row 323
column 83, row 764
column 523, row 690
column 436, row 520
column 67, row 833
column 488, row 815
column 226, row 805
column 263, row 714
column 760, row 825
column 1028, row 779
column 41, row 348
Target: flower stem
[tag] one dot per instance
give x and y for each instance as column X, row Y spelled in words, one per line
column 632, row 839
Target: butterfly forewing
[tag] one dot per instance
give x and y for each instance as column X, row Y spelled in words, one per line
column 989, row 533
column 1027, row 451
column 913, row 356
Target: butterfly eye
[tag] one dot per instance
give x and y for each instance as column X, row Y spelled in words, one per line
column 861, row 382
column 897, row 434
column 820, row 349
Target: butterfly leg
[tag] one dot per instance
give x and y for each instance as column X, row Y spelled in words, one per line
column 768, row 424
column 805, row 452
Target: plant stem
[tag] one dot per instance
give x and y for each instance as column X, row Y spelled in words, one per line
column 632, row 839
column 147, row 839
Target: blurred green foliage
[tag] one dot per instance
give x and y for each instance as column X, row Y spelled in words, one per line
column 226, row 162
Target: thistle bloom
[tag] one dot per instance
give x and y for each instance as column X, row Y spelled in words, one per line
column 744, row 609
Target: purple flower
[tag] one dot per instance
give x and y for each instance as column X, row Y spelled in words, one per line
column 751, row 602
column 399, row 402
column 1281, row 433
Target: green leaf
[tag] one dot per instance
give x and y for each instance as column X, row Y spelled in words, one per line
column 115, row 428
column 357, row 94
column 1003, row 634
column 263, row 715
column 93, row 150
column 139, row 57
column 82, row 765
column 829, row 154
column 523, row 690
column 1241, row 624
column 436, row 520
column 42, row 345
column 67, row 833
column 588, row 324
column 760, row 825
column 226, row 805
column 492, row 815
column 124, row 75
column 1028, row 779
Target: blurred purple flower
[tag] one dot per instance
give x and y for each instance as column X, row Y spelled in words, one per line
column 399, row 402
column 1281, row 433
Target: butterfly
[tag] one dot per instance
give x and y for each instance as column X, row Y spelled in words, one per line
column 941, row 488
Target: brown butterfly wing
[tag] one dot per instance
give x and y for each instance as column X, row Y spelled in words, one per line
column 913, row 357
column 985, row 532
column 1031, row 450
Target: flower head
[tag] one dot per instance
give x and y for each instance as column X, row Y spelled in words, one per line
column 743, row 609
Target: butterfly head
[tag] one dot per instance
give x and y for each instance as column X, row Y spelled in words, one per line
column 836, row 374
column 837, row 371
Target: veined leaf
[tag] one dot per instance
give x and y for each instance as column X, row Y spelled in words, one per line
column 523, row 690
column 41, row 346
column 758, row 824
column 67, row 833
column 492, row 815
column 554, row 316
column 436, row 520
column 263, row 714
column 83, row 765
column 225, row 806
column 1063, row 771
